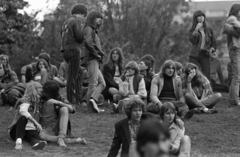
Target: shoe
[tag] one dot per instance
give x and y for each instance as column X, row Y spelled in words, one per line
column 61, row 142
column 93, row 106
column 19, row 146
column 76, row 140
column 40, row 145
column 188, row 115
column 197, row 110
column 120, row 107
column 212, row 111
column 115, row 108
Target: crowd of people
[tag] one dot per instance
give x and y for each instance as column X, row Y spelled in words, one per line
column 156, row 104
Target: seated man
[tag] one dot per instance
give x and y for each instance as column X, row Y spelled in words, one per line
column 131, row 85
column 126, row 129
column 53, row 71
column 10, row 89
column 167, row 87
column 216, row 71
column 179, row 68
column 55, row 116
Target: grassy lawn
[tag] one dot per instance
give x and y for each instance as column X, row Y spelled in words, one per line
column 212, row 135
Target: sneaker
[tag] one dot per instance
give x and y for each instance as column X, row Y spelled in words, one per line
column 39, row 146
column 93, row 106
column 188, row 115
column 19, row 146
column 61, row 142
column 76, row 140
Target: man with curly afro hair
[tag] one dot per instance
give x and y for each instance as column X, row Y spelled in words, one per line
column 91, row 58
column 72, row 39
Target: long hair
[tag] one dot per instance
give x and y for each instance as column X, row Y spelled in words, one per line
column 133, row 65
column 30, row 95
column 90, row 21
column 234, row 10
column 198, row 79
column 168, row 106
column 110, row 61
column 166, row 65
column 50, row 91
column 38, row 69
column 7, row 66
column 195, row 22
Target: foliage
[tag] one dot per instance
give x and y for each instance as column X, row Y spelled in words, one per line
column 17, row 39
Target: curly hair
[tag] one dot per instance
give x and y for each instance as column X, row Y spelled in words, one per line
column 50, row 91
column 134, row 103
column 90, row 21
column 110, row 61
column 166, row 65
column 79, row 9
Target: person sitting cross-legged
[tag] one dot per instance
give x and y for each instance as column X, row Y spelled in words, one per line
column 199, row 94
column 131, row 85
column 126, row 129
column 167, row 87
column 55, row 116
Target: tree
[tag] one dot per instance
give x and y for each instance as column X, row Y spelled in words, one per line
column 17, row 38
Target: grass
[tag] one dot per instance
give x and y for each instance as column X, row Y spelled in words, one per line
column 211, row 135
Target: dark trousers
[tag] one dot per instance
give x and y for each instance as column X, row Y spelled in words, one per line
column 18, row 131
column 203, row 63
column 75, row 74
column 219, row 87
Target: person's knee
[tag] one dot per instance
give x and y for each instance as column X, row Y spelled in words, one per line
column 218, row 95
column 188, row 95
column 64, row 111
column 186, row 140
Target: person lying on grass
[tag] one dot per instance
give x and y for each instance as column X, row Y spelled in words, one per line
column 199, row 94
column 180, row 144
column 126, row 129
column 55, row 116
column 24, row 126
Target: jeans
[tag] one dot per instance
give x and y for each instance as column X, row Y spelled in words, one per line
column 18, row 131
column 96, row 81
column 75, row 75
column 203, row 63
column 50, row 133
column 234, row 55
column 185, row 147
column 210, row 101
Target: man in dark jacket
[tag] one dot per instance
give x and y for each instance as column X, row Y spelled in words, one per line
column 126, row 129
column 91, row 57
column 72, row 39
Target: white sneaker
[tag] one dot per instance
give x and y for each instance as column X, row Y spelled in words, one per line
column 94, row 106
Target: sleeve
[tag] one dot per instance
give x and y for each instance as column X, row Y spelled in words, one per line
column 230, row 30
column 219, row 72
column 87, row 35
column 23, row 110
column 193, row 37
column 109, row 78
column 13, row 81
column 207, row 85
column 78, row 30
column 55, row 71
column 61, row 71
column 154, row 91
column 116, row 143
column 213, row 43
column 176, row 143
column 142, row 89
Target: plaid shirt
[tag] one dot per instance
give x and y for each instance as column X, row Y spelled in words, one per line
column 133, row 130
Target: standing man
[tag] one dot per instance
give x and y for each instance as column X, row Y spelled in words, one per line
column 72, row 38
column 92, row 57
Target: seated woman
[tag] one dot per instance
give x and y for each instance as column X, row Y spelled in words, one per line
column 10, row 89
column 199, row 94
column 24, row 125
column 112, row 71
column 41, row 73
column 180, row 143
column 55, row 116
column 126, row 129
column 131, row 85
